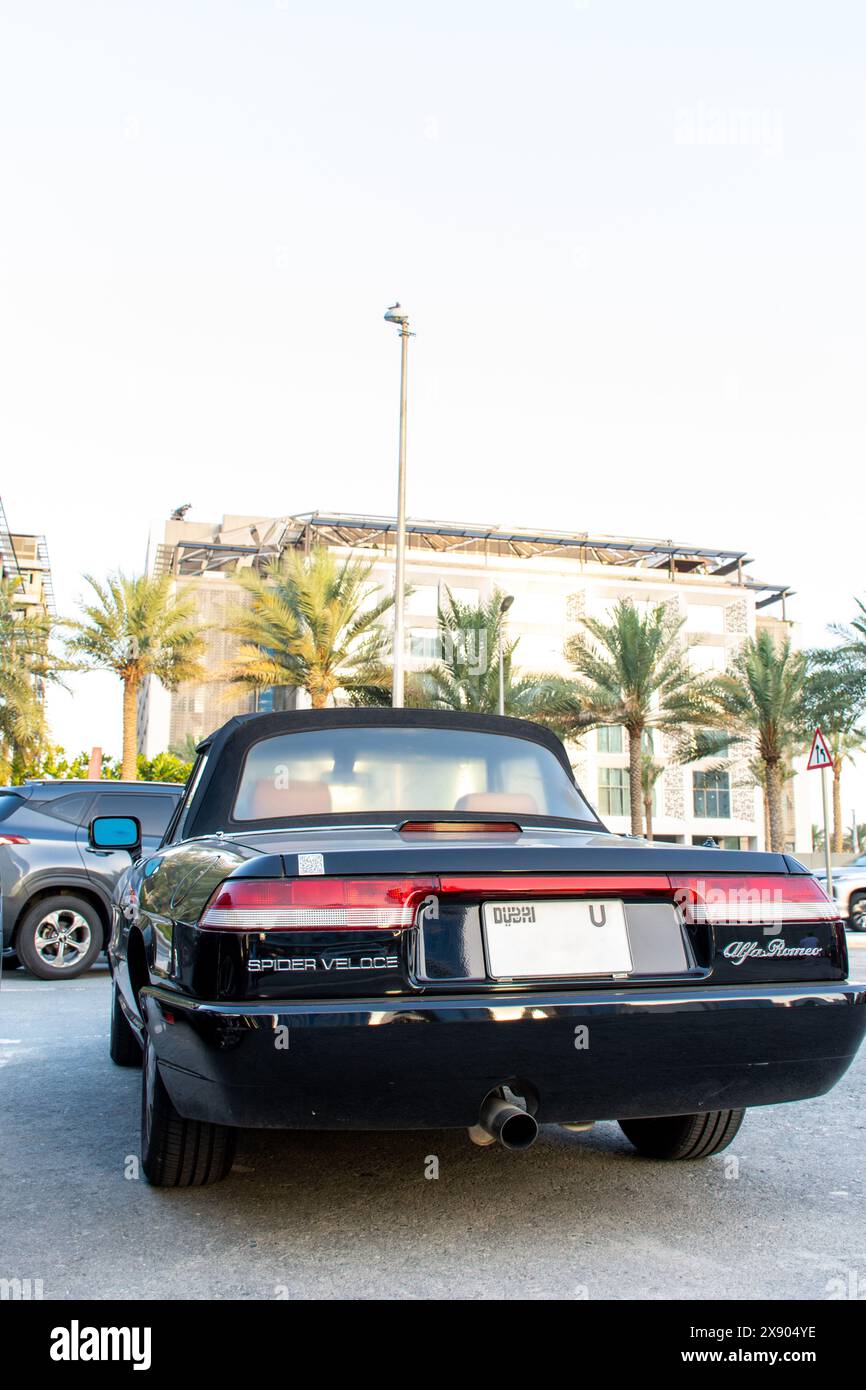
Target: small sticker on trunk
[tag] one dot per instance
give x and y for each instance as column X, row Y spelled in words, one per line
column 311, row 863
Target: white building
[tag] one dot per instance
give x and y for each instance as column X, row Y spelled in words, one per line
column 556, row 578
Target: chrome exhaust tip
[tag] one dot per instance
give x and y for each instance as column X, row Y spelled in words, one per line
column 501, row 1122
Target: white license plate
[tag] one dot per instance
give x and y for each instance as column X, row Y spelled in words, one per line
column 545, row 939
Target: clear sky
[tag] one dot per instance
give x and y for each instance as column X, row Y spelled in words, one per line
column 630, row 236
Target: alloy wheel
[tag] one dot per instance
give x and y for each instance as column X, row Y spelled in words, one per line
column 62, row 939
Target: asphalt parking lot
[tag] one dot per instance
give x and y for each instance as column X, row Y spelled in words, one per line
column 355, row 1216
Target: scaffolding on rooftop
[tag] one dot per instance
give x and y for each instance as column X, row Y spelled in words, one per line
column 255, row 543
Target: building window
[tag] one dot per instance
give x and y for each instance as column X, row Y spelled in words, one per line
column 613, row 791
column 470, row 598
column 610, row 738
column 705, row 617
column 704, row 660
column 712, row 794
column 424, row 643
column 539, row 605
column 535, row 652
column 423, row 601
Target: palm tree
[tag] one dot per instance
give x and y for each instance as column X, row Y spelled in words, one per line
column 632, row 671
column 650, row 772
column 760, row 701
column 313, row 623
column 138, row 626
column 835, row 700
column 755, row 775
column 466, row 676
column 844, row 746
column 858, row 626
column 25, row 666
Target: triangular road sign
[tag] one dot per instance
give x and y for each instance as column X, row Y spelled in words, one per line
column 820, row 755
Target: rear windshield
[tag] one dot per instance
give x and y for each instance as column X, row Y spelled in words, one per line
column 355, row 770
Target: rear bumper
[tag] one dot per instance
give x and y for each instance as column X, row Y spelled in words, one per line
column 429, row 1062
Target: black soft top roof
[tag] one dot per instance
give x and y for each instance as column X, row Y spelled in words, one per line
column 250, row 728
column 229, row 745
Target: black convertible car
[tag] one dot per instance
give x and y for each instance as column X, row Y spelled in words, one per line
column 405, row 919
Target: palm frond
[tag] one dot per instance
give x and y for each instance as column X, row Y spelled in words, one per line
column 312, row 622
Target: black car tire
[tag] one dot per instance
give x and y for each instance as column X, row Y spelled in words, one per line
column 63, row 913
column 857, row 912
column 684, row 1136
column 176, row 1152
column 123, row 1046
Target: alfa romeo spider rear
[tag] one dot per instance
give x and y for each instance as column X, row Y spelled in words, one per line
column 409, row 920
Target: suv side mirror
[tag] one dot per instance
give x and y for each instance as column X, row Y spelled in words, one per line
column 115, row 832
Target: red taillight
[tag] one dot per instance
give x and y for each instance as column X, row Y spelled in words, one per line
column 316, row 904
column 14, row 840
column 390, row 904
column 459, row 827
column 753, row 900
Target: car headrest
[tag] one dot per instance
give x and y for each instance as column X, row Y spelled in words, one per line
column 499, row 801
column 269, row 802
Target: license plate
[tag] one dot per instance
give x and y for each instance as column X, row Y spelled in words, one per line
column 525, row 940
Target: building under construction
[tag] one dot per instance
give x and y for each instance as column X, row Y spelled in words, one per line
column 196, row 548
column 25, row 559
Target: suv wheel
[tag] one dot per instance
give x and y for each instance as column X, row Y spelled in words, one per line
column 684, row 1136
column 59, row 937
column 857, row 912
column 176, row 1152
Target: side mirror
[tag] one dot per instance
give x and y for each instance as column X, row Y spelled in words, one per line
column 115, row 832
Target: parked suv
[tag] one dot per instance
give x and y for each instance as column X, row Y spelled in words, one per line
column 55, row 889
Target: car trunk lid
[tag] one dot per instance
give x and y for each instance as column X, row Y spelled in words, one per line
column 488, row 910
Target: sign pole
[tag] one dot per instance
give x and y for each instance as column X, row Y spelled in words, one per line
column 828, row 862
column 821, row 759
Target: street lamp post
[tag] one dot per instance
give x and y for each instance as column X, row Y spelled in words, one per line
column 503, row 609
column 396, row 315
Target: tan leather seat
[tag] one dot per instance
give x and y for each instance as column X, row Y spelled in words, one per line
column 270, row 802
column 517, row 802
